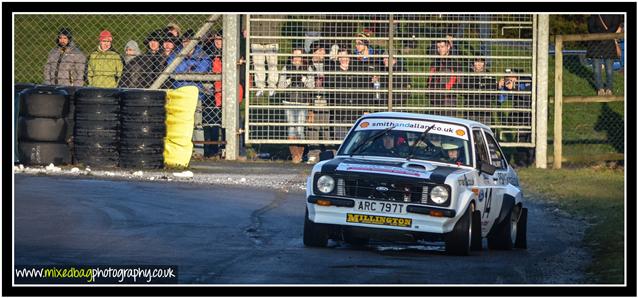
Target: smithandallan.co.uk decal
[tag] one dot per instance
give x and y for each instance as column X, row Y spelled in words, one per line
column 446, row 129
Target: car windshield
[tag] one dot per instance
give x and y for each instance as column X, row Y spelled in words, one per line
column 403, row 143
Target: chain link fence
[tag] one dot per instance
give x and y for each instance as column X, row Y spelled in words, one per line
column 122, row 51
column 314, row 75
column 592, row 95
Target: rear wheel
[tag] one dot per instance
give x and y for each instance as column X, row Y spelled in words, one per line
column 459, row 241
column 314, row 234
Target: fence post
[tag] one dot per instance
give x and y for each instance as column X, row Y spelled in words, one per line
column 390, row 57
column 558, row 103
column 542, row 85
column 230, row 80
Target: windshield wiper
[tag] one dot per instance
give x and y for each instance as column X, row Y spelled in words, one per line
column 422, row 137
column 371, row 139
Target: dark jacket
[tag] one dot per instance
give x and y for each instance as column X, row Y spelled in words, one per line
column 142, row 71
column 484, row 82
column 297, row 81
column 197, row 63
column 602, row 48
column 443, row 82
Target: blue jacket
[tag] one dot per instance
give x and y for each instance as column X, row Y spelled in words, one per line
column 198, row 62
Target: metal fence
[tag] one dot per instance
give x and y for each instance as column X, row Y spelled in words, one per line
column 312, row 76
column 588, row 96
column 122, row 51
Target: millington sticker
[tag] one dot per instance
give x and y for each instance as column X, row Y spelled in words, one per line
column 379, row 220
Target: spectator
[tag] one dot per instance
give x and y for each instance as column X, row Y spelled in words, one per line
column 513, row 82
column 105, row 65
column 195, row 61
column 264, row 52
column 319, row 64
column 296, row 98
column 365, row 61
column 169, row 43
column 143, row 70
column 447, row 82
column 131, row 50
column 345, row 80
column 65, row 63
column 173, row 29
column 603, row 52
column 482, row 81
column 399, row 82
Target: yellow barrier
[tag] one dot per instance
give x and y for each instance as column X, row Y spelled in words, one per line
column 180, row 120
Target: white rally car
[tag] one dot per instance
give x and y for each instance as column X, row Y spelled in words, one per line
column 410, row 177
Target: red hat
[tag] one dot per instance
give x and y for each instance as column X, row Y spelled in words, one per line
column 106, row 35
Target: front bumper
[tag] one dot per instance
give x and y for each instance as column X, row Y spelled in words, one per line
column 418, row 218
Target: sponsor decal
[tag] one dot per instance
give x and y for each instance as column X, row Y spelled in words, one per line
column 379, row 220
column 447, row 129
column 464, row 181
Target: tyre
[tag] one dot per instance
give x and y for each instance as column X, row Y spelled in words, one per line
column 43, row 153
column 103, row 95
column 146, row 162
column 97, row 141
column 314, row 234
column 143, row 114
column 97, row 112
column 97, row 125
column 477, row 239
column 109, row 161
column 142, row 130
column 42, row 129
column 459, row 241
column 355, row 241
column 521, row 233
column 44, row 103
column 141, row 144
column 144, row 98
column 503, row 234
column 19, row 87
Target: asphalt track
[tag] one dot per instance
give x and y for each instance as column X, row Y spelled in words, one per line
column 241, row 235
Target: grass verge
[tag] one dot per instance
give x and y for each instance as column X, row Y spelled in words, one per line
column 598, row 196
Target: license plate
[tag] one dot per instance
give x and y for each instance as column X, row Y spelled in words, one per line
column 380, row 207
column 378, row 220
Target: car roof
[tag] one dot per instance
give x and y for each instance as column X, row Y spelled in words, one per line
column 469, row 123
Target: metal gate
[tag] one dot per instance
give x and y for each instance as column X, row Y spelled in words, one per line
column 312, row 76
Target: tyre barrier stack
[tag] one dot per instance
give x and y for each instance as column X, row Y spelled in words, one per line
column 97, row 127
column 42, row 126
column 143, row 129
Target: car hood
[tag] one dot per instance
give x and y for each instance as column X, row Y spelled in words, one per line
column 419, row 170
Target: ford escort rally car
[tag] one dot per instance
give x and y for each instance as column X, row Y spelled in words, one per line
column 411, row 177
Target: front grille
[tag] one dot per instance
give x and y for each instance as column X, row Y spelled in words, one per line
column 383, row 189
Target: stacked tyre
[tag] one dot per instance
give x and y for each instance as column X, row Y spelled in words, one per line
column 42, row 126
column 97, row 127
column 143, row 129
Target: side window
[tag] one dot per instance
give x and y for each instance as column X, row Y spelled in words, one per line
column 498, row 159
column 481, row 149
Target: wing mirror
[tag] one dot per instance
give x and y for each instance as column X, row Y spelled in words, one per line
column 326, row 155
column 485, row 167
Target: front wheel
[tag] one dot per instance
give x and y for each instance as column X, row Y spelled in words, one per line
column 459, row 241
column 504, row 233
column 314, row 234
column 521, row 233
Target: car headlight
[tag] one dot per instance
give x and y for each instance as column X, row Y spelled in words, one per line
column 439, row 195
column 325, row 184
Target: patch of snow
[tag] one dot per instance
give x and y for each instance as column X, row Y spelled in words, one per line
column 184, row 174
column 138, row 173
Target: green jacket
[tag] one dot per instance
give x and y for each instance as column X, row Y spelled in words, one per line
column 104, row 69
